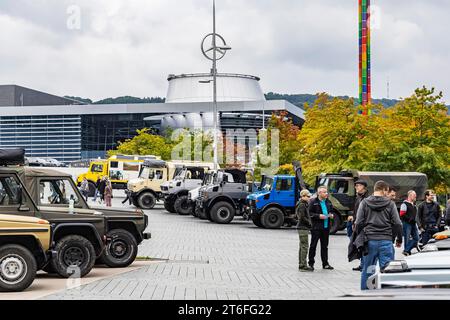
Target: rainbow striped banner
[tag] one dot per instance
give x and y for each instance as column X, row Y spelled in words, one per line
column 364, row 56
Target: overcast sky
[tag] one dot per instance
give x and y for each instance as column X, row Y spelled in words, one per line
column 295, row 46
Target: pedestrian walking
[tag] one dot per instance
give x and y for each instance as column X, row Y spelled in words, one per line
column 378, row 219
column 429, row 213
column 408, row 215
column 97, row 192
column 101, row 188
column 303, row 227
column 361, row 194
column 84, row 189
column 108, row 192
column 321, row 212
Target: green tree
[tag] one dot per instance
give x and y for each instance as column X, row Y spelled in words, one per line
column 145, row 143
column 416, row 137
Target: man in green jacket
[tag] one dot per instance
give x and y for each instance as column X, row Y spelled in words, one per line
column 303, row 227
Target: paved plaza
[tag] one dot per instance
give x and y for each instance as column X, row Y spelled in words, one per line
column 203, row 260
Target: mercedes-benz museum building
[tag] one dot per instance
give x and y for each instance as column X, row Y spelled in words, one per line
column 67, row 130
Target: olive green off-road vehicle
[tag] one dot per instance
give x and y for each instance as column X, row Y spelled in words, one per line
column 79, row 239
column 125, row 228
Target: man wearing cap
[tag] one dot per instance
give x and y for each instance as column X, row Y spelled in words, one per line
column 303, row 227
column 361, row 194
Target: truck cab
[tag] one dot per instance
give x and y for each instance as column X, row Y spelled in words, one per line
column 226, row 196
column 118, row 168
column 176, row 191
column 273, row 204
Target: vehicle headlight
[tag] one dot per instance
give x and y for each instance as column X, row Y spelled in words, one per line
column 170, row 184
column 396, row 266
column 430, row 247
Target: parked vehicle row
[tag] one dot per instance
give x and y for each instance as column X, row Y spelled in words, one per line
column 219, row 196
column 80, row 236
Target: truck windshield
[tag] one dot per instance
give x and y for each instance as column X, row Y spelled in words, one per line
column 145, row 173
column 334, row 185
column 266, row 184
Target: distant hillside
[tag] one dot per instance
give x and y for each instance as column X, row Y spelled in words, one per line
column 300, row 99
column 120, row 100
column 296, row 99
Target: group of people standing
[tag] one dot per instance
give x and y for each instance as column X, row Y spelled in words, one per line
column 103, row 190
column 374, row 227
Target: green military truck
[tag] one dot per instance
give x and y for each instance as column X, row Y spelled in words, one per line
column 25, row 244
column 79, row 239
column 125, row 228
column 341, row 188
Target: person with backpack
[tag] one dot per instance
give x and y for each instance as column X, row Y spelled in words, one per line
column 408, row 215
column 378, row 219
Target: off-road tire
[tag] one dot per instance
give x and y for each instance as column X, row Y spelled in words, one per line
column 168, row 205
column 272, row 218
column 196, row 210
column 256, row 218
column 17, row 268
column 146, row 200
column 182, row 206
column 222, row 212
column 75, row 256
column 122, row 249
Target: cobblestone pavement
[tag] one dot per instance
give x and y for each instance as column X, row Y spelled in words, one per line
column 202, row 260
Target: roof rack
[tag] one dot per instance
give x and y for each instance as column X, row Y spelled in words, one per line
column 9, row 157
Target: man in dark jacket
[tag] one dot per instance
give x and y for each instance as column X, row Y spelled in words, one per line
column 361, row 194
column 377, row 217
column 321, row 212
column 408, row 215
column 429, row 213
column 303, row 227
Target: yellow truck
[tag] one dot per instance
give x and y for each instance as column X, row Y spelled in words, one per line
column 118, row 168
column 146, row 189
column 24, row 248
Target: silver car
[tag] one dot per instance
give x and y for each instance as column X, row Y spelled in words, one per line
column 427, row 269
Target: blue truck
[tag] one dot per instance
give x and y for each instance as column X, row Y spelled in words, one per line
column 273, row 204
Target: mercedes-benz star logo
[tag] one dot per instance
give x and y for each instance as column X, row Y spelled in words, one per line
column 208, row 50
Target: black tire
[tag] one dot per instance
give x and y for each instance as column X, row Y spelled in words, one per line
column 146, row 200
column 168, row 205
column 256, row 218
column 183, row 206
column 222, row 212
column 75, row 256
column 272, row 218
column 18, row 268
column 122, row 249
column 92, row 189
column 336, row 224
column 196, row 211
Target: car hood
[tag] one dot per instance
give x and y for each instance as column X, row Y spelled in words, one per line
column 429, row 260
column 257, row 195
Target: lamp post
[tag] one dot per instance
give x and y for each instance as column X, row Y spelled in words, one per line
column 215, row 49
